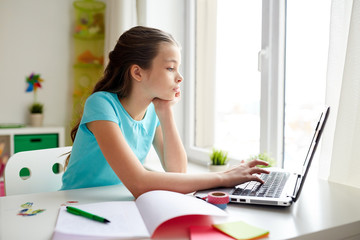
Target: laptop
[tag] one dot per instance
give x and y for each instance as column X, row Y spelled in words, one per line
column 280, row 187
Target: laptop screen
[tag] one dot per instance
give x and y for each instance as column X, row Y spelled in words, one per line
column 311, row 151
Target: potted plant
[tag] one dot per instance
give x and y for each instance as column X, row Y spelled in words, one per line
column 265, row 157
column 36, row 108
column 218, row 160
column 36, row 114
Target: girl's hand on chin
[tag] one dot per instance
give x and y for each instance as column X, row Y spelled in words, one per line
column 161, row 104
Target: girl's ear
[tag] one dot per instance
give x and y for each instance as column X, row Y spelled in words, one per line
column 136, row 72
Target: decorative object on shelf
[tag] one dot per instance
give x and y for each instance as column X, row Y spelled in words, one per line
column 89, row 18
column 36, row 115
column 3, row 158
column 36, row 109
column 218, row 160
column 88, row 36
column 88, row 58
column 264, row 157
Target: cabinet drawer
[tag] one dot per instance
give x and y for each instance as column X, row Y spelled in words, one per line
column 34, row 142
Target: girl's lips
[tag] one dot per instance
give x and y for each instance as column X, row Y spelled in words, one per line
column 177, row 89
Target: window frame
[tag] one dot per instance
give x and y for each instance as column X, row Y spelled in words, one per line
column 271, row 64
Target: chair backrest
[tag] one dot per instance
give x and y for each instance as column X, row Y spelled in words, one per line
column 35, row 171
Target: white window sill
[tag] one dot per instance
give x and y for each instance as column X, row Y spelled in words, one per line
column 153, row 163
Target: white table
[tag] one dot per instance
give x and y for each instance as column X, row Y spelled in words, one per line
column 324, row 211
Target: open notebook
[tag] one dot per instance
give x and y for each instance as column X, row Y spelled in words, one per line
column 153, row 214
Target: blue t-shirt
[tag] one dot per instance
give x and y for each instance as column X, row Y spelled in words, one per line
column 88, row 166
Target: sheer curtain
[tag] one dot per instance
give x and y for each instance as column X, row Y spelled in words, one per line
column 340, row 150
column 122, row 15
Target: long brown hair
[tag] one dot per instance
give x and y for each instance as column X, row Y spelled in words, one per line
column 139, row 45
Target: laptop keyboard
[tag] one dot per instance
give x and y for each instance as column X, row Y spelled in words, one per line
column 274, row 183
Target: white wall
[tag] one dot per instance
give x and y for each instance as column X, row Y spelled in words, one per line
column 170, row 17
column 36, row 36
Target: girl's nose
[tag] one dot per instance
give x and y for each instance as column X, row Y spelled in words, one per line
column 179, row 78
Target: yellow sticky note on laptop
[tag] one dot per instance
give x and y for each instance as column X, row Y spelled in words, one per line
column 241, row 230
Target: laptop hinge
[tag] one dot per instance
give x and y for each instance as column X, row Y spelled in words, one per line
column 296, row 187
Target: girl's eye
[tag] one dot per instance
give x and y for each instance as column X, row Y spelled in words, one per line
column 171, row 69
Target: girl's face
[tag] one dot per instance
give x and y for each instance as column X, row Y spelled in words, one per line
column 163, row 78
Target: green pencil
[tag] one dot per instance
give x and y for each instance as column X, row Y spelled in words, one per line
column 82, row 213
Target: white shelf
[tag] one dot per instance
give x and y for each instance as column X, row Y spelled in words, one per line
column 11, row 132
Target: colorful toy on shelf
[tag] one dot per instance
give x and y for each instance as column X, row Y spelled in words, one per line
column 36, row 108
column 89, row 18
column 89, row 58
column 89, row 26
column 34, row 82
column 89, row 30
column 3, row 159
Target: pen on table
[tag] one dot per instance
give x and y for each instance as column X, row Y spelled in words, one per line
column 82, row 213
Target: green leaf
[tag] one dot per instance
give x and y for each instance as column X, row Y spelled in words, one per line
column 218, row 157
column 36, row 108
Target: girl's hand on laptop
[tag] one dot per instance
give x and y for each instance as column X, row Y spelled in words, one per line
column 244, row 172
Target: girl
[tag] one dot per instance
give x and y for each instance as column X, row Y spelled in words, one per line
column 130, row 109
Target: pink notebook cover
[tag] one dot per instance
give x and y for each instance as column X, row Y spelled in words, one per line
column 207, row 233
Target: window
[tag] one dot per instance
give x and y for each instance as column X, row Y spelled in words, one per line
column 306, row 62
column 235, row 71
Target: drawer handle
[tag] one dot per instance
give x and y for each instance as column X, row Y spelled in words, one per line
column 35, row 140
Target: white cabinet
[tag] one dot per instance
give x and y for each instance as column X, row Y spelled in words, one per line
column 30, row 138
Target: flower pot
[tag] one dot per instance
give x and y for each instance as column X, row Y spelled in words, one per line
column 218, row 168
column 36, row 119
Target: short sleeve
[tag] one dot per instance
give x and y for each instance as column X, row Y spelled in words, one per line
column 100, row 106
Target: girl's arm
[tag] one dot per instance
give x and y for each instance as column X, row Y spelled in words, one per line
column 139, row 180
column 167, row 142
column 168, row 145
